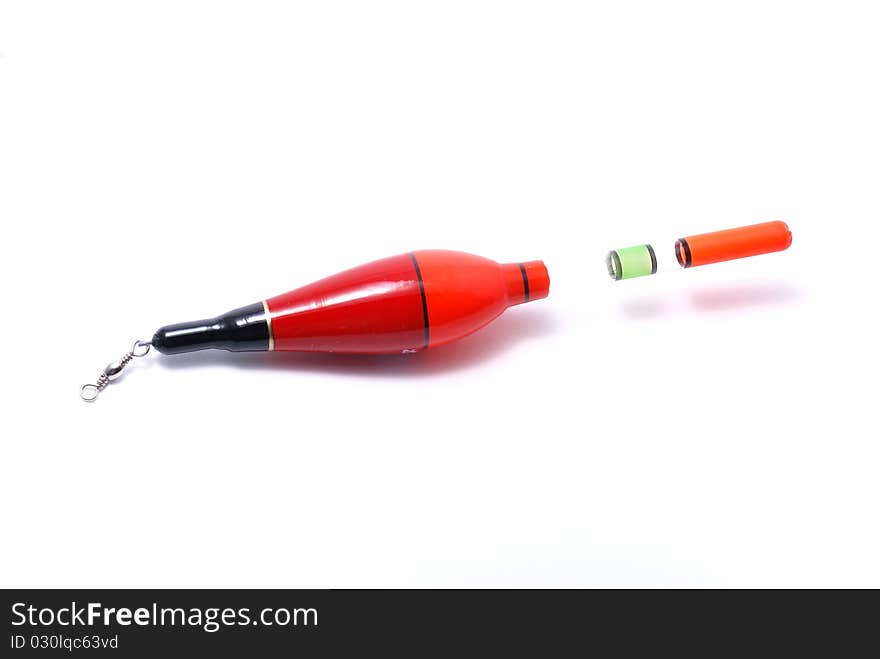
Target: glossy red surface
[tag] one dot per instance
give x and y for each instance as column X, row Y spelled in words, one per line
column 374, row 308
column 383, row 306
column 465, row 292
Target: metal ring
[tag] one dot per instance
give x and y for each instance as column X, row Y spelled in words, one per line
column 89, row 392
column 140, row 344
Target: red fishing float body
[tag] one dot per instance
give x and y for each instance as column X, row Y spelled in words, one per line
column 404, row 303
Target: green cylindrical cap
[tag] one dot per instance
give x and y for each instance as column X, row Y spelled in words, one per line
column 630, row 262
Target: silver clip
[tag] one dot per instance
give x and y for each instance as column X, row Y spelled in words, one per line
column 89, row 392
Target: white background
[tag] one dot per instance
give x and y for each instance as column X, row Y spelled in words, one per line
column 712, row 427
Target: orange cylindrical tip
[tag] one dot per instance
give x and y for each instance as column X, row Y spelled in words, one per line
column 732, row 244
